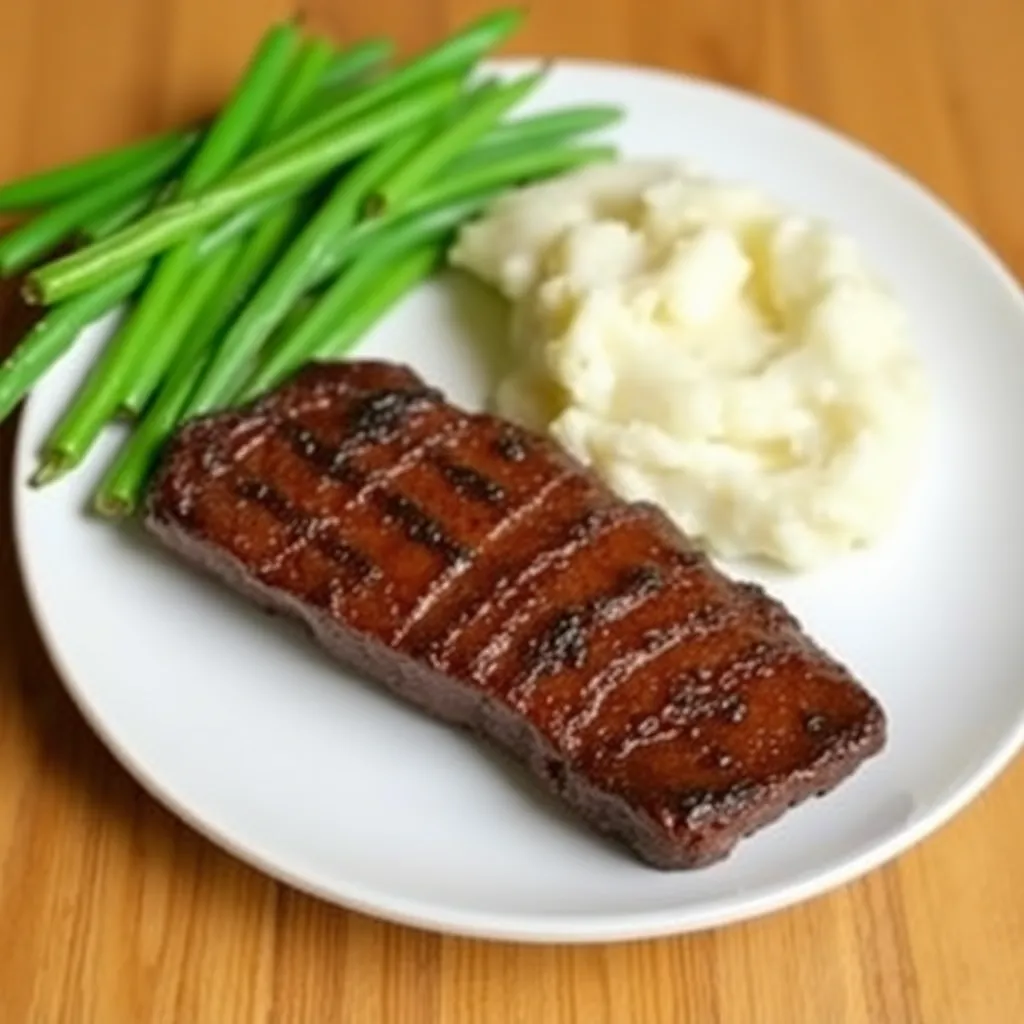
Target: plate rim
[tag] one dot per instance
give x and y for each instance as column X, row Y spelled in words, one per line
column 574, row 928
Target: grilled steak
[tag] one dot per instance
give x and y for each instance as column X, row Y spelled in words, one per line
column 482, row 573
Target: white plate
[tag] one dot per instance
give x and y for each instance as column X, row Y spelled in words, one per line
column 257, row 739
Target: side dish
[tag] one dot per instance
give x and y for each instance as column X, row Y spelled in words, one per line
column 705, row 349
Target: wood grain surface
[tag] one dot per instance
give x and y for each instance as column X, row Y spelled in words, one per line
column 113, row 911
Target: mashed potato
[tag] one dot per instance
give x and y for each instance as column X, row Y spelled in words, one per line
column 701, row 348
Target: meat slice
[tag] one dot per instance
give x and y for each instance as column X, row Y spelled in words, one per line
column 482, row 573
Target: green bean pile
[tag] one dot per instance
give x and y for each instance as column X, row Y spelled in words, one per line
column 278, row 232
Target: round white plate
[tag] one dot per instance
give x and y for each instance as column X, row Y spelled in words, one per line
column 245, row 729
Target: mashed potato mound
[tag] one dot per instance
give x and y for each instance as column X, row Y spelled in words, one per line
column 703, row 349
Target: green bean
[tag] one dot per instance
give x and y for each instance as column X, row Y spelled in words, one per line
column 55, row 333
column 53, row 186
column 123, row 484
column 245, row 112
column 293, row 274
column 311, row 64
column 294, row 316
column 258, row 256
column 315, row 60
column 239, row 223
column 141, row 350
column 420, row 224
column 151, row 336
column 450, row 202
column 305, row 73
column 21, row 247
column 522, row 168
column 272, row 230
column 251, row 267
column 391, row 283
column 350, row 290
column 71, row 179
column 453, row 56
column 208, row 280
column 390, row 234
column 105, row 224
column 352, row 64
column 180, row 318
column 264, row 244
column 302, row 86
column 554, row 127
column 346, row 75
column 451, row 141
column 358, row 299
column 224, row 144
column 170, row 224
column 108, row 377
column 319, row 67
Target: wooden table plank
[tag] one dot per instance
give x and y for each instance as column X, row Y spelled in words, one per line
column 111, row 910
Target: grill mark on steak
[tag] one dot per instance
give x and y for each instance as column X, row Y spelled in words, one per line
column 507, row 526
column 595, row 525
column 421, row 528
column 400, row 508
column 509, row 583
column 331, row 460
column 377, row 416
column 656, row 646
column 304, row 530
column 469, row 483
column 408, row 460
column 335, row 463
column 689, row 696
column 621, row 668
column 676, row 603
column 564, row 642
column 511, row 445
column 414, row 522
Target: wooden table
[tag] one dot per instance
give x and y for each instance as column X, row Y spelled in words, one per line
column 112, row 911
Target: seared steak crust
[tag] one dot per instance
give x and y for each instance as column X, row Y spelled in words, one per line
column 482, row 573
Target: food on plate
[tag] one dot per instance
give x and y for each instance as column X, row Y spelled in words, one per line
column 276, row 231
column 684, row 340
column 702, row 347
column 483, row 573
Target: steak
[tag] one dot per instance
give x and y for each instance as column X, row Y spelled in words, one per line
column 481, row 572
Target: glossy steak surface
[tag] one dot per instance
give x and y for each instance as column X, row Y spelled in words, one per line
column 481, row 572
